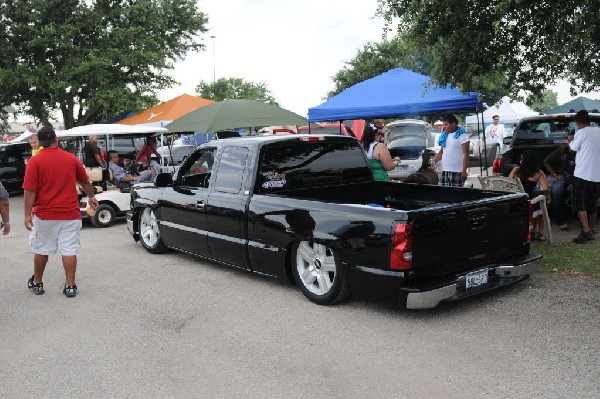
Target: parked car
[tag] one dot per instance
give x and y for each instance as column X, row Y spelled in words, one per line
column 476, row 156
column 539, row 133
column 13, row 158
column 407, row 139
column 306, row 208
column 336, row 128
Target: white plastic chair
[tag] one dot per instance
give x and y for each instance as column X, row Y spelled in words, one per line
column 502, row 183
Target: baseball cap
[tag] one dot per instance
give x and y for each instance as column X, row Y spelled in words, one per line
column 46, row 136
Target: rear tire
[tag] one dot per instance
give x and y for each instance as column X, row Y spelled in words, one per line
column 104, row 217
column 320, row 276
column 150, row 233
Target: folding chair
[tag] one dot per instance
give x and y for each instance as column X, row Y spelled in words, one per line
column 502, row 183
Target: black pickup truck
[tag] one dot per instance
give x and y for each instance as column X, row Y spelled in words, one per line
column 306, row 208
column 540, row 133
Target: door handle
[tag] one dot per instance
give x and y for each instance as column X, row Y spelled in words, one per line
column 200, row 204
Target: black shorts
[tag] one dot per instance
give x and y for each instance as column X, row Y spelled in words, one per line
column 584, row 195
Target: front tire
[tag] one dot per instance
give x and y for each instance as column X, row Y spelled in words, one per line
column 104, row 217
column 150, row 233
column 320, row 276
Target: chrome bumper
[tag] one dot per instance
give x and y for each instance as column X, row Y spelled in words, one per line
column 499, row 275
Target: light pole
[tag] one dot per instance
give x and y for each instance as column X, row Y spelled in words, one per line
column 213, row 59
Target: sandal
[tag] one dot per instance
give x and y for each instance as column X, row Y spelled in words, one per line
column 539, row 237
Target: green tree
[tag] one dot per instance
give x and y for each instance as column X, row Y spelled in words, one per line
column 530, row 43
column 92, row 59
column 376, row 58
column 235, row 88
column 544, row 101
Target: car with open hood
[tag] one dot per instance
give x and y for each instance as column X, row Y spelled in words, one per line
column 407, row 139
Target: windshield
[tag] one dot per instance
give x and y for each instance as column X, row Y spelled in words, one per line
column 553, row 129
column 407, row 147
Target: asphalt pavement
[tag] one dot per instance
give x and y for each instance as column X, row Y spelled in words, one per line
column 175, row 326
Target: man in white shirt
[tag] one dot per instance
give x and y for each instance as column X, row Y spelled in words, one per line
column 495, row 132
column 586, row 183
column 454, row 153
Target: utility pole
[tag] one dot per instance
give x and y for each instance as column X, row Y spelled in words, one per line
column 213, row 59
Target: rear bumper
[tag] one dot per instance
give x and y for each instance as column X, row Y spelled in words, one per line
column 499, row 275
column 401, row 287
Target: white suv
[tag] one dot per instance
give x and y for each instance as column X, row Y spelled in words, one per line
column 407, row 138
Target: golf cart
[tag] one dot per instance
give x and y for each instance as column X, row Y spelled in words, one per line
column 113, row 201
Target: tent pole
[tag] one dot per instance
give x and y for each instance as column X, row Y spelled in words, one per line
column 484, row 144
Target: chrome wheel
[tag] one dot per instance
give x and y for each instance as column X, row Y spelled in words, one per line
column 150, row 232
column 149, row 228
column 316, row 267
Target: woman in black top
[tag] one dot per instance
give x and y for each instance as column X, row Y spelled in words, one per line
column 531, row 176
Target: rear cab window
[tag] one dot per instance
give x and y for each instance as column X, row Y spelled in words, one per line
column 303, row 164
column 555, row 129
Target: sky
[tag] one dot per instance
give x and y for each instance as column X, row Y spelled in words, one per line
column 295, row 47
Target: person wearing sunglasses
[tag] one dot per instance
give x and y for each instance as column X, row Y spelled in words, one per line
column 377, row 153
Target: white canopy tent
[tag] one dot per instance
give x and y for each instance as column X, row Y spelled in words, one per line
column 510, row 112
column 109, row 129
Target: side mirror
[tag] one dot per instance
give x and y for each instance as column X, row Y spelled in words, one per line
column 163, row 180
column 507, row 140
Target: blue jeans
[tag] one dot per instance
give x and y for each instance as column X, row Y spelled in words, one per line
column 559, row 195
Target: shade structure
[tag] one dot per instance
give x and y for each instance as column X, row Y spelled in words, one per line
column 232, row 114
column 576, row 104
column 114, row 129
column 395, row 93
column 508, row 111
column 163, row 113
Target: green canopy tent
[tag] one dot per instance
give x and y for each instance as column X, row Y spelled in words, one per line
column 577, row 105
column 232, row 114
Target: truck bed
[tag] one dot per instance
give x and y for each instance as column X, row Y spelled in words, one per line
column 453, row 229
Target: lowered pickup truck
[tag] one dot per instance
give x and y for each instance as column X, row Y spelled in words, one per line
column 306, row 208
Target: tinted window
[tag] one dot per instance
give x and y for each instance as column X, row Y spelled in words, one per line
column 231, row 169
column 14, row 152
column 301, row 164
column 552, row 129
column 196, row 171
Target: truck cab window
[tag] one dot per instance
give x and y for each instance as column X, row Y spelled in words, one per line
column 231, row 170
column 196, row 171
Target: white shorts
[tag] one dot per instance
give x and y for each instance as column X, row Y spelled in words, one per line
column 49, row 235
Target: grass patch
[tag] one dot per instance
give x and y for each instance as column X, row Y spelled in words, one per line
column 582, row 260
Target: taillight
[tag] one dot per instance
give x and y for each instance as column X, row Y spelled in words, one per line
column 312, row 138
column 497, row 166
column 530, row 222
column 401, row 254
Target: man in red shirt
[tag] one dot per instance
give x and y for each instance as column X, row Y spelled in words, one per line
column 52, row 208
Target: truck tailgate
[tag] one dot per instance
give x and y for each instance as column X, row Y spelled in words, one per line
column 467, row 235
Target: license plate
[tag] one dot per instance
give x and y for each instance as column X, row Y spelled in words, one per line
column 475, row 279
column 402, row 167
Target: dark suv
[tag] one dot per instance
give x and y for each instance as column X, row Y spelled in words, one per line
column 540, row 133
column 13, row 158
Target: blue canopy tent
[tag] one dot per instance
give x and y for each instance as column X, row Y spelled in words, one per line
column 395, row 93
